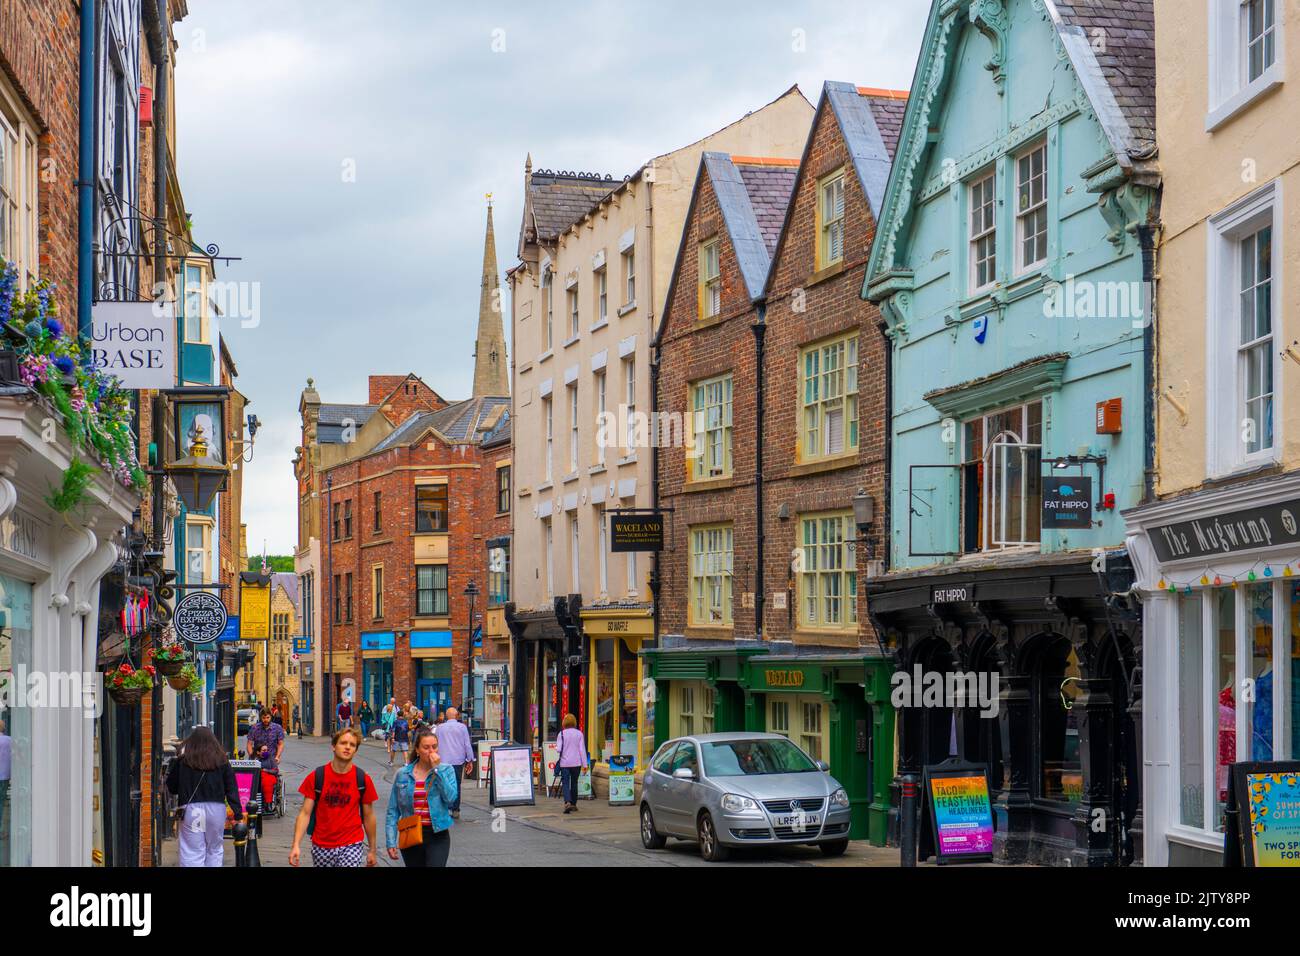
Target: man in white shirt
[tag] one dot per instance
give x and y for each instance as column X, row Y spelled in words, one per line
column 455, row 749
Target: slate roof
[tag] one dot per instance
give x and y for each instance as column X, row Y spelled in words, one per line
column 769, row 189
column 559, row 199
column 333, row 419
column 289, row 581
column 457, row 422
column 1121, row 37
column 500, row 433
column 888, row 112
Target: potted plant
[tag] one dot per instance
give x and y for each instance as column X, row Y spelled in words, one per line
column 170, row 659
column 127, row 686
column 187, row 681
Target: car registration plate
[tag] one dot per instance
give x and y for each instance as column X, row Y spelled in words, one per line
column 808, row 821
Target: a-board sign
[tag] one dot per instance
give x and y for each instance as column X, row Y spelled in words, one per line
column 484, row 759
column 622, row 779
column 1263, row 818
column 510, row 772
column 199, row 617
column 636, row 532
column 248, row 777
column 1067, row 502
column 957, row 818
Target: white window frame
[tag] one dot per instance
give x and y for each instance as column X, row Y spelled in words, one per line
column 601, row 383
column 195, row 297
column 828, row 572
column 548, row 413
column 604, row 553
column 573, row 426
column 710, row 278
column 602, row 297
column 711, row 414
column 1033, row 210
column 823, row 392
column 712, row 556
column 1225, row 451
column 629, row 275
column 1230, row 91
column 575, row 318
column 629, row 402
column 548, row 303
column 632, row 589
column 994, row 535
column 550, row 557
column 21, row 193
column 989, row 230
column 575, row 549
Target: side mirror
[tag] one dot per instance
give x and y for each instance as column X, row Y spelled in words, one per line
column 823, row 766
column 683, row 773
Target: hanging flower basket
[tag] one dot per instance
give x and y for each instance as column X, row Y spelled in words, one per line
column 176, row 681
column 127, row 696
column 169, row 669
column 170, row 660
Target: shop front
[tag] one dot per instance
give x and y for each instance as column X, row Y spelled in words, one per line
column 430, row 672
column 697, row 687
column 377, row 649
column 548, row 674
column 1218, row 572
column 619, row 719
column 1026, row 665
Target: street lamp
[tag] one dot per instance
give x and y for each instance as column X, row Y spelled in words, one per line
column 200, row 429
column 471, row 592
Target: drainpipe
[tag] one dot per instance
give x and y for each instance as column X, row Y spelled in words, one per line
column 161, row 58
column 656, row 581
column 328, row 684
column 86, row 178
column 1147, row 242
column 760, row 337
column 888, row 548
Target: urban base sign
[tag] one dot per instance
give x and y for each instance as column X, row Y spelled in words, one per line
column 199, row 618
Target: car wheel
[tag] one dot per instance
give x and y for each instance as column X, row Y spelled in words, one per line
column 834, row 848
column 711, row 847
column 651, row 838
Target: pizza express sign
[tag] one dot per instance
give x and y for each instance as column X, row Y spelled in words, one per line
column 1252, row 529
column 199, row 617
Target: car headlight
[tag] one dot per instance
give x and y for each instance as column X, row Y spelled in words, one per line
column 840, row 798
column 734, row 803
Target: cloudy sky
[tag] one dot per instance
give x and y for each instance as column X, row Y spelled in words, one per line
column 343, row 151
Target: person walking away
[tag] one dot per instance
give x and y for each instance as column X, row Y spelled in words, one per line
column 366, row 716
column 421, row 798
column 266, row 744
column 456, row 750
column 297, row 721
column 399, row 738
column 204, row 784
column 338, row 810
column 277, row 717
column 572, row 761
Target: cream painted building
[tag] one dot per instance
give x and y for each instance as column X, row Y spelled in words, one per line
column 1217, row 545
column 595, row 258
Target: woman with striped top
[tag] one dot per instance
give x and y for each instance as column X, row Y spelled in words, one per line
column 425, row 787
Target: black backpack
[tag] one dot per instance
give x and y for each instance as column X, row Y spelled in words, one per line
column 318, row 784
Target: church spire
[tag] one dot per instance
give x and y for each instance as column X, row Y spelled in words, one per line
column 490, row 375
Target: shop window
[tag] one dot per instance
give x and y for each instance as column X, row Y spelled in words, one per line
column 828, row 395
column 810, row 735
column 711, row 428
column 711, row 563
column 828, row 577
column 1191, row 725
column 15, row 724
column 430, row 508
column 1002, row 487
column 431, row 590
column 778, row 717
column 686, row 710
column 628, row 697
column 605, row 703
column 1057, row 690
column 708, row 701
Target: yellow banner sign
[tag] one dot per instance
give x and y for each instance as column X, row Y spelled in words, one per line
column 254, row 612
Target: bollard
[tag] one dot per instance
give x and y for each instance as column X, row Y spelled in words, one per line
column 907, row 825
column 239, row 833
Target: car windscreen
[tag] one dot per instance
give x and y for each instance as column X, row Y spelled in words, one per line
column 740, row 758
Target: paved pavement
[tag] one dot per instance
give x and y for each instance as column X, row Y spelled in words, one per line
column 542, row 835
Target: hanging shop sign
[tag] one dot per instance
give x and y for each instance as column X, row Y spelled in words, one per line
column 136, row 341
column 1263, row 818
column 231, row 633
column 1067, row 502
column 1250, row 529
column 957, row 824
column 636, row 532
column 510, row 772
column 199, row 618
column 254, row 612
column 622, row 779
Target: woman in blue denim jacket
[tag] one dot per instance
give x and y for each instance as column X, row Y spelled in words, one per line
column 425, row 787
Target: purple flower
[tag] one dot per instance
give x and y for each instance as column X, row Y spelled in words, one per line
column 65, row 365
column 54, row 325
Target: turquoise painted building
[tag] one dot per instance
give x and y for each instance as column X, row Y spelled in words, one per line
column 1010, row 265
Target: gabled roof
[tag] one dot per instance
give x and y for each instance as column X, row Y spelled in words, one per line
column 500, row 433
column 752, row 196
column 556, row 200
column 287, row 580
column 458, row 423
column 334, row 418
column 869, row 121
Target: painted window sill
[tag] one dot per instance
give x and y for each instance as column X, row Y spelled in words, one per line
column 597, row 469
column 545, row 486
column 548, row 354
column 572, row 340
column 824, row 273
column 603, row 324
column 625, row 309
column 1268, row 81
column 707, row 484
column 571, row 476
column 628, row 459
column 822, row 465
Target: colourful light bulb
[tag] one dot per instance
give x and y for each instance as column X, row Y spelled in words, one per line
column 1161, row 585
column 1217, row 580
column 1286, row 571
column 1188, row 589
column 1204, row 580
column 1250, row 576
column 1268, row 572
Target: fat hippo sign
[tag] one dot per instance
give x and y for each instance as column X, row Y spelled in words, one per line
column 200, row 617
column 136, row 341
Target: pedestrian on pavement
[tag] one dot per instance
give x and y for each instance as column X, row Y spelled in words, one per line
column 266, row 743
column 399, row 738
column 572, row 761
column 297, row 721
column 276, row 716
column 366, row 716
column 388, row 715
column 424, row 789
column 204, row 784
column 338, row 810
column 456, row 750
column 345, row 713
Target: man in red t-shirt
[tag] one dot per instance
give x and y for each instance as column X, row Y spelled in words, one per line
column 343, row 809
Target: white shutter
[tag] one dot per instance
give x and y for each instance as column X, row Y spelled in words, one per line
column 834, row 431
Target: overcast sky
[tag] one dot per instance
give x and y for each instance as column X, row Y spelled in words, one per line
column 432, row 105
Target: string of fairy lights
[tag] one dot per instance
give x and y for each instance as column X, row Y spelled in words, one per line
column 1212, row 579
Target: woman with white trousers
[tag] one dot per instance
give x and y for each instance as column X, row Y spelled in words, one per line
column 204, row 783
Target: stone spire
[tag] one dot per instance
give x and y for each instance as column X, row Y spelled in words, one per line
column 490, row 374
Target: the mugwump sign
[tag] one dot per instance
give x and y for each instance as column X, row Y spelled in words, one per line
column 199, row 617
column 636, row 532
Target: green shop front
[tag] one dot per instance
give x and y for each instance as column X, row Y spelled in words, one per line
column 835, row 706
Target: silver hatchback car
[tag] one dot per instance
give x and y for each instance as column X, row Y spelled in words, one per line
column 741, row 789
